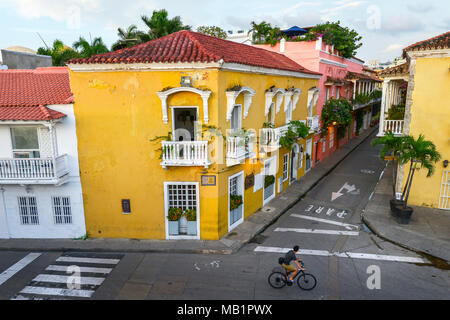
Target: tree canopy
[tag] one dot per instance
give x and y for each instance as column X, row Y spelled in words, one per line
column 213, row 31
column 59, row 52
column 160, row 25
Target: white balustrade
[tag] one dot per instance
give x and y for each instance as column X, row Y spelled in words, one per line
column 396, row 126
column 33, row 169
column 185, row 153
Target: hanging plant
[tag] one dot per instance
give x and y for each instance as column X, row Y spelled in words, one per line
column 336, row 112
column 296, row 130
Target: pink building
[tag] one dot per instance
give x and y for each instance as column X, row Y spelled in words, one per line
column 342, row 78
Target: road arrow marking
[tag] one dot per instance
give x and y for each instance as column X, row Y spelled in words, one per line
column 353, row 255
column 349, row 188
column 346, row 225
column 318, row 231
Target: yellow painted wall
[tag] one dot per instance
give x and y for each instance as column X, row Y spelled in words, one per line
column 118, row 113
column 430, row 115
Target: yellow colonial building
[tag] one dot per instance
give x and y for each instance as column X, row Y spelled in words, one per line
column 420, row 89
column 187, row 123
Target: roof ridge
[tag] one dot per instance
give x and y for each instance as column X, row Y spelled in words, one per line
column 429, row 39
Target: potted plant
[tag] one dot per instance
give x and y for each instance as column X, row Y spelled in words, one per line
column 235, row 201
column 173, row 217
column 191, row 217
column 420, row 154
column 393, row 145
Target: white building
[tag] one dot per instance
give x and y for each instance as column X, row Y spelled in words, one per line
column 40, row 187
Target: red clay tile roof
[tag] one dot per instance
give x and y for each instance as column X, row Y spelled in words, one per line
column 401, row 69
column 441, row 41
column 189, row 46
column 24, row 94
column 39, row 113
column 356, row 75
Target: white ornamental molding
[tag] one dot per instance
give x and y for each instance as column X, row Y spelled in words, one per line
column 297, row 93
column 279, row 93
column 313, row 96
column 203, row 93
column 232, row 96
column 287, row 98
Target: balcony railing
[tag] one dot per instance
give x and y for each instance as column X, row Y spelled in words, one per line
column 33, row 170
column 185, row 153
column 239, row 148
column 313, row 123
column 270, row 137
column 396, row 126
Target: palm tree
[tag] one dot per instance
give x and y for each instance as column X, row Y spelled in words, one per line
column 260, row 31
column 87, row 49
column 127, row 38
column 160, row 25
column 59, row 52
column 420, row 154
column 391, row 145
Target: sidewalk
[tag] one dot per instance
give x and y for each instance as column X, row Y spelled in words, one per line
column 427, row 232
column 229, row 244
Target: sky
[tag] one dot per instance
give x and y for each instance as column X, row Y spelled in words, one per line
column 386, row 26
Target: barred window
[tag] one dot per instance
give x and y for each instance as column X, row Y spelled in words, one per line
column 62, row 212
column 182, row 196
column 28, row 210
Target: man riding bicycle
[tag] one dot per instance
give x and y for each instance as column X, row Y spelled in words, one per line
column 290, row 256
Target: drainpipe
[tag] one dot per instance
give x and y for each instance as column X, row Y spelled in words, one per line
column 4, row 209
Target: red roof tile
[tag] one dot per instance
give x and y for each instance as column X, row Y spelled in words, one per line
column 441, row 41
column 25, row 93
column 39, row 113
column 189, row 46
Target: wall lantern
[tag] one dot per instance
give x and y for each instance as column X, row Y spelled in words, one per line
column 186, row 81
column 445, row 163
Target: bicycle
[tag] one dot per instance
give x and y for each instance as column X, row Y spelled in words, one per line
column 278, row 279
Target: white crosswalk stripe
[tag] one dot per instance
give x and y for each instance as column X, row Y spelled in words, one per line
column 354, row 255
column 71, row 276
column 11, row 271
column 88, row 260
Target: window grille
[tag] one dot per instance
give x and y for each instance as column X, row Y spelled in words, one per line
column 62, row 212
column 28, row 210
column 182, row 196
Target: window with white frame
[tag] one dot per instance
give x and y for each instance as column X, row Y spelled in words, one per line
column 337, row 92
column 62, row 212
column 25, row 142
column 182, row 195
column 331, row 138
column 28, row 210
column 327, row 93
column 285, row 167
column 348, row 93
column 236, row 118
column 324, row 145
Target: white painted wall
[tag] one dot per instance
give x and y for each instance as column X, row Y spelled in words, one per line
column 10, row 224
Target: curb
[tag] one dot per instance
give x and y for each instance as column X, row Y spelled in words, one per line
column 292, row 204
column 233, row 246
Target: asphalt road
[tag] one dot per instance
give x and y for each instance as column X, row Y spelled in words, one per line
column 348, row 261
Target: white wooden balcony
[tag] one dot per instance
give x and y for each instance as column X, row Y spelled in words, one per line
column 26, row 171
column 313, row 123
column 396, row 126
column 270, row 137
column 238, row 149
column 185, row 153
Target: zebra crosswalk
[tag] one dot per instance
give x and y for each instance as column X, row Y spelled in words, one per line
column 71, row 276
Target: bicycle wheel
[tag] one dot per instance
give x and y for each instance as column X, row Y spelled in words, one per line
column 276, row 280
column 306, row 281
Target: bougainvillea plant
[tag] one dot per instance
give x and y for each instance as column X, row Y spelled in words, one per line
column 336, row 112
